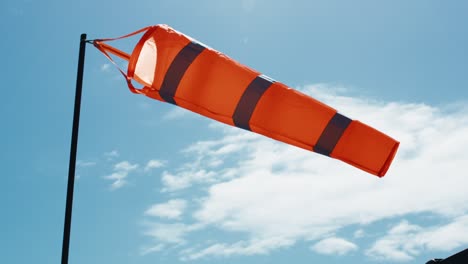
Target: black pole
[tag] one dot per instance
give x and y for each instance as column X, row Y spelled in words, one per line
column 73, row 150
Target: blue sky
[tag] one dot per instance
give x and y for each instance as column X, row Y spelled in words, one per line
column 159, row 184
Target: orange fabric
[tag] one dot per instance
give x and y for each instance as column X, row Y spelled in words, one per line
column 366, row 148
column 209, row 83
column 298, row 119
column 221, row 83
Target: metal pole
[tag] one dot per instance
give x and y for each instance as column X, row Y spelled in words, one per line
column 73, row 150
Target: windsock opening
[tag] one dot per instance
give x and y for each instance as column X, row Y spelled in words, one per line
column 146, row 62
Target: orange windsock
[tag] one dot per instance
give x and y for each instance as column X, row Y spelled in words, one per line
column 177, row 69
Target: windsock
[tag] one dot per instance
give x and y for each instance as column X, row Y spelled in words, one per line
column 174, row 68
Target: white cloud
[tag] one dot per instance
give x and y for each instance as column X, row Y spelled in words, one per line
column 168, row 233
column 105, row 67
column 82, row 163
column 334, row 246
column 270, row 189
column 154, row 164
column 125, row 166
column 119, row 180
column 185, row 179
column 205, row 168
column 173, row 233
column 152, row 249
column 175, row 113
column 247, row 248
column 173, row 209
column 111, row 154
column 359, row 233
column 405, row 241
column 121, row 171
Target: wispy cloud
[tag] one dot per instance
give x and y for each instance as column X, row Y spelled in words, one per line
column 175, row 113
column 267, row 188
column 82, row 163
column 166, row 234
column 405, row 241
column 359, row 233
column 105, row 67
column 185, row 179
column 246, row 248
column 121, row 171
column 125, row 166
column 154, row 164
column 334, row 246
column 152, row 249
column 111, row 154
column 206, row 168
column 118, row 179
column 172, row 209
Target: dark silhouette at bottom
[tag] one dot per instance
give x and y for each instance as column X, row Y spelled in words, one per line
column 459, row 258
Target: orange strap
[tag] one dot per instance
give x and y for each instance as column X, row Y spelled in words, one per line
column 128, row 79
column 112, row 50
column 124, row 36
column 106, row 49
